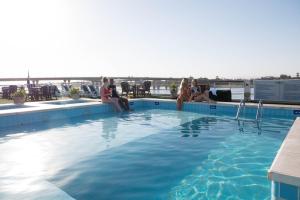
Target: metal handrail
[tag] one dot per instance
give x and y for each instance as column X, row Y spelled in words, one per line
column 241, row 105
column 259, row 110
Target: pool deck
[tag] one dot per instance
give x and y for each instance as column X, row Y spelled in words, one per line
column 286, row 165
column 44, row 106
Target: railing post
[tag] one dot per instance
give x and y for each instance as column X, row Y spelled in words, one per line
column 247, row 90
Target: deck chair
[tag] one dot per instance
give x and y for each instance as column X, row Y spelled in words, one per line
column 94, row 91
column 11, row 90
column 125, row 88
column 145, row 90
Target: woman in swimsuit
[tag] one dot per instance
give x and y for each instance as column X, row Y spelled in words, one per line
column 184, row 93
column 105, row 94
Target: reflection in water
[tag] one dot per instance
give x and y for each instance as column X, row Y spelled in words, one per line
column 109, row 129
column 148, row 117
column 117, row 126
column 245, row 124
column 193, row 128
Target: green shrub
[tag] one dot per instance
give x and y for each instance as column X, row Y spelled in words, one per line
column 173, row 87
column 20, row 93
column 74, row 91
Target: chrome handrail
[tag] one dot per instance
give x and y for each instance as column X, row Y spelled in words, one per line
column 259, row 110
column 241, row 106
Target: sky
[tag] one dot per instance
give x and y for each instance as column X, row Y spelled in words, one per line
column 160, row 38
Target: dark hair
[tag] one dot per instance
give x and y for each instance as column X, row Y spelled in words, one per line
column 105, row 79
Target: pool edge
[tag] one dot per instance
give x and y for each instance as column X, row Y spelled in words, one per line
column 285, row 169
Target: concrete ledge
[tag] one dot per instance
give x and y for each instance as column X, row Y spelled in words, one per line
column 45, row 111
column 286, row 165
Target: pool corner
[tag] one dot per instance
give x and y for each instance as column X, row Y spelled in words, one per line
column 285, row 171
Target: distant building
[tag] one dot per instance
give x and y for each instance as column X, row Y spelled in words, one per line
column 284, row 76
column 268, row 78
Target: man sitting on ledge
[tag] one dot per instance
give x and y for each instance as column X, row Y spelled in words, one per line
column 123, row 102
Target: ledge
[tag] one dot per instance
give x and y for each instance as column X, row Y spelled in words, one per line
column 286, row 165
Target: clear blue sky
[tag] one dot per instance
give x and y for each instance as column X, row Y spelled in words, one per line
column 165, row 38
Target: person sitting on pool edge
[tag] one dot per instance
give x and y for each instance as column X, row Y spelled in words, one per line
column 203, row 95
column 195, row 90
column 184, row 93
column 123, row 102
column 105, row 94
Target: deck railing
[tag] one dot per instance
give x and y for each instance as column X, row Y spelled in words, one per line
column 159, row 84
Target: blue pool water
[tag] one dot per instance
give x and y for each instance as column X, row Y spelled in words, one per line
column 147, row 154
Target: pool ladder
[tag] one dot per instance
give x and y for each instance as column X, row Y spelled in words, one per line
column 259, row 111
column 258, row 117
column 241, row 108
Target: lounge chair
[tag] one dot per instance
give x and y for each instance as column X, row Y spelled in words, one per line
column 145, row 89
column 65, row 89
column 45, row 92
column 125, row 88
column 54, row 91
column 94, row 91
column 5, row 92
column 11, row 90
column 87, row 92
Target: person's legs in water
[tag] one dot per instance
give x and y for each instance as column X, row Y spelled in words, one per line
column 121, row 104
column 115, row 102
column 179, row 102
column 125, row 103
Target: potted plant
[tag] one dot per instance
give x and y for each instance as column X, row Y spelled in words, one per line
column 74, row 93
column 173, row 90
column 19, row 96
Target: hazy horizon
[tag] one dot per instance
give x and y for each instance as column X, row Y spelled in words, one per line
column 157, row 38
column 198, row 77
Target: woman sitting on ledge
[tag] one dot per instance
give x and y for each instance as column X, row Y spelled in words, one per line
column 200, row 94
column 105, row 94
column 195, row 90
column 184, row 93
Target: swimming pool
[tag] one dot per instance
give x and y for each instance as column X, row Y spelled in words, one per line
column 146, row 154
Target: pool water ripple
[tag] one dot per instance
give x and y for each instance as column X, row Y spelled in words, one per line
column 235, row 170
